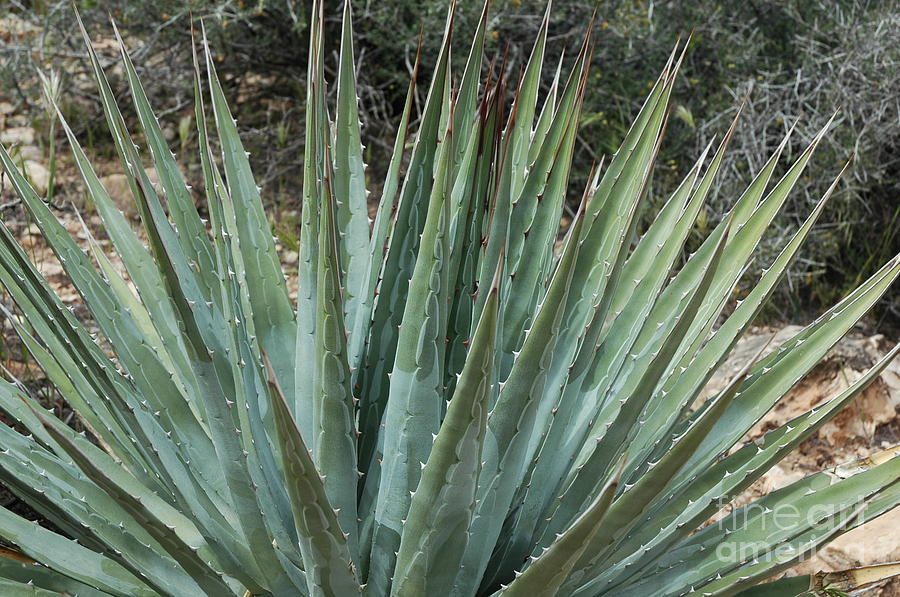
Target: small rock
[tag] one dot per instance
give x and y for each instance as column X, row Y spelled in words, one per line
column 16, row 120
column 6, row 109
column 100, row 45
column 120, row 192
column 29, row 152
column 16, row 27
column 21, row 135
column 874, row 542
column 154, row 178
column 38, row 175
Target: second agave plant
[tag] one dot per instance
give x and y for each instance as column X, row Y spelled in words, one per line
column 457, row 404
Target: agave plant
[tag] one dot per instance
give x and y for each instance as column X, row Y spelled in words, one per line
column 457, row 405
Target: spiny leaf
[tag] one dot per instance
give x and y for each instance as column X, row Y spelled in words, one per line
column 413, row 411
column 350, row 183
column 436, row 530
column 335, row 452
column 326, row 555
column 551, row 568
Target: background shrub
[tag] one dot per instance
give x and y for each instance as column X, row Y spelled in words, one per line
column 791, row 61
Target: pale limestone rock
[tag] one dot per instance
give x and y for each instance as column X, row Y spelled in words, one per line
column 38, row 175
column 120, row 192
column 17, row 135
column 29, row 152
column 116, row 186
column 851, row 434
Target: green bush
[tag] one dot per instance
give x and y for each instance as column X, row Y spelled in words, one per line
column 793, row 62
